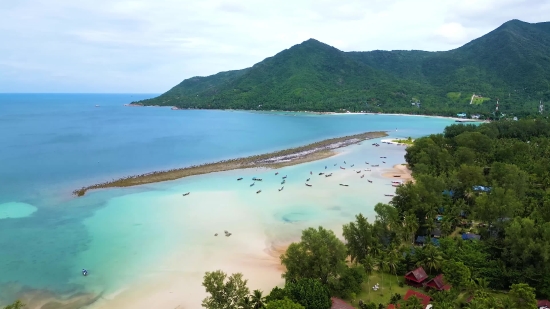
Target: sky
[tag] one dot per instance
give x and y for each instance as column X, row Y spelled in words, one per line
column 148, row 46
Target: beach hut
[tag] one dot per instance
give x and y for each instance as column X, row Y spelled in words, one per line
column 470, row 236
column 416, row 277
column 424, row 299
column 438, row 283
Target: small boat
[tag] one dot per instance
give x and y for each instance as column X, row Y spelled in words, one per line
column 334, row 164
column 310, row 172
column 258, row 191
column 216, row 234
column 362, row 176
column 284, row 177
column 186, row 194
column 342, row 168
column 367, row 163
column 343, row 185
column 398, row 182
column 396, row 185
column 308, row 179
column 396, row 175
column 227, row 234
column 328, row 175
column 345, row 162
column 352, row 165
column 388, row 195
column 358, row 172
column 369, row 180
column 252, row 184
column 240, row 178
column 283, row 182
column 383, row 158
column 321, row 174
column 281, row 188
column 375, row 165
column 256, row 179
column 307, row 184
column 325, row 167
column 383, row 161
column 367, row 170
column 277, row 173
column 84, row 272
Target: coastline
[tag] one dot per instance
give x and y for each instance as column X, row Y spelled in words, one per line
column 405, row 174
column 457, row 119
column 293, row 156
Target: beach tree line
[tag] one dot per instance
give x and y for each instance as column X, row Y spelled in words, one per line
column 478, row 212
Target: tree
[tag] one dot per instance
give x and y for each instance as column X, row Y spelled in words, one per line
column 258, row 300
column 276, row 293
column 225, row 292
column 283, row 304
column 319, row 255
column 412, row 302
column 411, row 225
column 15, row 305
column 359, row 238
column 349, row 282
column 310, row 293
column 456, row 273
column 523, row 296
column 431, row 258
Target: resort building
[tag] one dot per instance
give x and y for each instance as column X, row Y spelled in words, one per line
column 438, row 283
column 416, row 277
column 424, row 299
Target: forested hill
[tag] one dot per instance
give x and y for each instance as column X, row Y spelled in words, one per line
column 511, row 64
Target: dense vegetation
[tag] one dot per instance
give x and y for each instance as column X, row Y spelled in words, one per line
column 511, row 63
column 491, row 180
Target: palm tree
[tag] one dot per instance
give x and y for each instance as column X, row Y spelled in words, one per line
column 446, row 227
column 392, row 261
column 431, row 258
column 246, row 303
column 368, row 264
column 257, row 299
column 411, row 225
column 382, row 264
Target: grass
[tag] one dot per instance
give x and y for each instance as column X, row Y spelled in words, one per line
column 453, row 95
column 478, row 100
column 383, row 295
column 404, row 141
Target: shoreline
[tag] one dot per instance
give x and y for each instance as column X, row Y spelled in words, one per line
column 293, row 156
column 457, row 119
column 405, row 174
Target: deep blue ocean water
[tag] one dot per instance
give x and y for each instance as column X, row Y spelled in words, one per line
column 52, row 144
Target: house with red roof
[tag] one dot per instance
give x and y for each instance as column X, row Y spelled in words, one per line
column 416, row 277
column 543, row 304
column 424, row 299
column 438, row 283
column 337, row 303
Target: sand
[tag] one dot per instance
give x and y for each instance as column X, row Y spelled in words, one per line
column 405, row 174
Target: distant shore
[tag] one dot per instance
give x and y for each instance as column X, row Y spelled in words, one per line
column 457, row 119
column 312, row 152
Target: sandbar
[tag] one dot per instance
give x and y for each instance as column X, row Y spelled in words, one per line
column 312, row 152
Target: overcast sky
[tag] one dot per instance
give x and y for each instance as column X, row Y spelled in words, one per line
column 151, row 45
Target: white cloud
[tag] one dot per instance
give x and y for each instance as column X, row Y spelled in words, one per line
column 151, row 45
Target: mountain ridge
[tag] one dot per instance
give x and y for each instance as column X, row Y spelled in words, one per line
column 510, row 64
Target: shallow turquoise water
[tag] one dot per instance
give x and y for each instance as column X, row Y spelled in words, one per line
column 53, row 144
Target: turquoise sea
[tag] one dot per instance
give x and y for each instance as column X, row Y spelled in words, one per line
column 148, row 246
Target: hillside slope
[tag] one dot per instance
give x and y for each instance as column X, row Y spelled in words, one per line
column 511, row 63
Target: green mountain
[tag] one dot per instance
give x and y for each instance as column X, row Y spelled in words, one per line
column 511, row 64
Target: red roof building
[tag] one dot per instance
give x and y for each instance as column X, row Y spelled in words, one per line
column 544, row 303
column 424, row 299
column 438, row 283
column 416, row 277
column 337, row 303
column 391, row 306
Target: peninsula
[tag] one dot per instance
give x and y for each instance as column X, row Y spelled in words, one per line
column 292, row 156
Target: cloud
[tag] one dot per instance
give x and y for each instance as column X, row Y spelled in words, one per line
column 150, row 45
column 452, row 33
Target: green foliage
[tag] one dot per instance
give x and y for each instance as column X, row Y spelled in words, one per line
column 523, row 296
column 276, row 293
column 412, row 302
column 319, row 255
column 456, row 273
column 15, row 305
column 310, row 293
column 225, row 292
column 510, row 63
column 283, row 304
column 349, row 283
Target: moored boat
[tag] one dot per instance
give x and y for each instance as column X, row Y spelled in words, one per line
column 321, row 174
column 307, row 184
column 343, row 185
column 362, row 176
column 258, row 191
column 369, row 180
column 240, row 178
column 308, row 179
column 252, row 184
column 186, row 194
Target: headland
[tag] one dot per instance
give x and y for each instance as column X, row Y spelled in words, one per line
column 312, row 152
